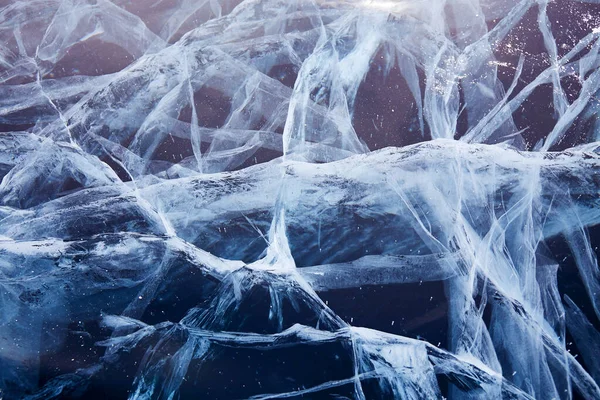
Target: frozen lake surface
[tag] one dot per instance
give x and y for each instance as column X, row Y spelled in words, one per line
column 269, row 199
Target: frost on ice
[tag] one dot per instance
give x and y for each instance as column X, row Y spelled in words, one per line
column 299, row 199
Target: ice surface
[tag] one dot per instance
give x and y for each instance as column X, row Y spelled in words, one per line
column 350, row 199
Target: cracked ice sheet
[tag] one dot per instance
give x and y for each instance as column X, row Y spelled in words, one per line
column 144, row 254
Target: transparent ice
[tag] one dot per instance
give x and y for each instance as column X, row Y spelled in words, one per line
column 185, row 183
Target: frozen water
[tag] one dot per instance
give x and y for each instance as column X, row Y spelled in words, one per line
column 349, row 199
